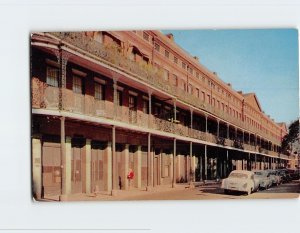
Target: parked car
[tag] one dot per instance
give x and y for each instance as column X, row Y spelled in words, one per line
column 240, row 180
column 294, row 173
column 285, row 176
column 274, row 177
column 264, row 178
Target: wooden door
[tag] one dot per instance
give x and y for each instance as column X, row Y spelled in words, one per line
column 76, row 170
column 51, row 170
column 97, row 167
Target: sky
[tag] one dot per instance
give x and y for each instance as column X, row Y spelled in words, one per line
column 263, row 61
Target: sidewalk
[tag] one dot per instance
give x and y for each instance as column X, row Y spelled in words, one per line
column 121, row 195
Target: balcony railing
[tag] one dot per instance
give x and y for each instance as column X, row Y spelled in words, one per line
column 146, row 72
column 48, row 97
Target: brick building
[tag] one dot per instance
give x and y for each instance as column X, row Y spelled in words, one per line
column 107, row 102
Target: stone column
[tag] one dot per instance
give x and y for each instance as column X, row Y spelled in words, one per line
column 201, row 168
column 114, row 161
column 88, row 157
column 174, row 169
column 67, row 171
column 191, row 169
column 205, row 162
column 37, row 168
column 109, row 180
column 138, row 166
column 66, row 156
column 178, row 160
column 149, row 166
column 63, row 155
column 126, row 166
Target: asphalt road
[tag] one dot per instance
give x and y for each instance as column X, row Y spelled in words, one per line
column 287, row 190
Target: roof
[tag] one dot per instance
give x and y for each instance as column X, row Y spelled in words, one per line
column 243, row 172
column 252, row 99
column 283, row 125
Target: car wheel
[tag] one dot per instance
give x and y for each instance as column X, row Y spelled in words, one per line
column 226, row 191
column 249, row 191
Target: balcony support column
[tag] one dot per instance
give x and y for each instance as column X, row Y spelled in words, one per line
column 235, row 132
column 227, row 163
column 115, row 96
column 150, row 108
column 227, row 131
column 191, row 110
column 63, row 155
column 191, row 174
column 218, row 128
column 88, row 157
column 114, row 162
column 205, row 123
column 62, row 59
column 249, row 162
column 37, row 167
column 149, row 164
column 205, row 162
column 175, row 110
column 174, row 168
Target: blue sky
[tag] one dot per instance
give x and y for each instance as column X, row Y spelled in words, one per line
column 260, row 61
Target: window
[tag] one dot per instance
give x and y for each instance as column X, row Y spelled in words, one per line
column 175, row 60
column 166, row 75
column 52, row 76
column 145, row 36
column 183, row 65
column 145, row 106
column 77, row 84
column 99, row 91
column 167, row 54
column 197, row 75
column 190, row 89
column 203, row 95
column 132, row 103
column 208, row 98
column 197, row 92
column 157, row 47
column 175, row 80
column 191, row 71
column 119, row 98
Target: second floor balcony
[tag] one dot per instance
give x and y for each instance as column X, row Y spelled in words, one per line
column 62, row 99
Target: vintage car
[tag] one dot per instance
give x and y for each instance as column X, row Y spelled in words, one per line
column 264, row 178
column 275, row 178
column 240, row 180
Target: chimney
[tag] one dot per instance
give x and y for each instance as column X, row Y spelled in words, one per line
column 196, row 58
column 170, row 36
column 240, row 92
column 229, row 84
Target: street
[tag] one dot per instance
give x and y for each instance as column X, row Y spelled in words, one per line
column 287, row 190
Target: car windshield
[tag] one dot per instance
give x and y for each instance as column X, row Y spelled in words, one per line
column 238, row 175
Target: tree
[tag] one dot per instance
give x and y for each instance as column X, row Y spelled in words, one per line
column 291, row 137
